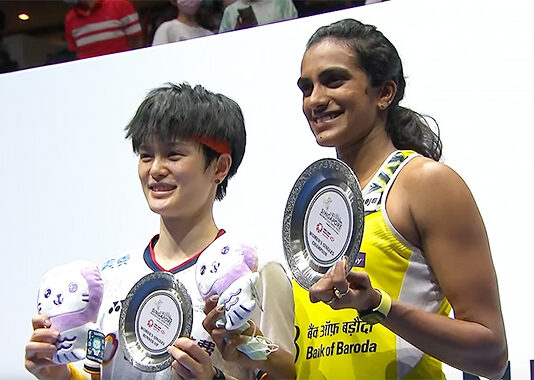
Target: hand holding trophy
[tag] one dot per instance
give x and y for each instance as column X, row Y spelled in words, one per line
column 323, row 221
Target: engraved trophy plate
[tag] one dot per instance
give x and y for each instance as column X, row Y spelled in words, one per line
column 157, row 311
column 323, row 220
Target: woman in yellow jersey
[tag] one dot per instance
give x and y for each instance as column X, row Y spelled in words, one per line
column 425, row 247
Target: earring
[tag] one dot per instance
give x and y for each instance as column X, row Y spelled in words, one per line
column 217, row 181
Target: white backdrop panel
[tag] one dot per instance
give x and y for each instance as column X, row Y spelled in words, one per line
column 69, row 183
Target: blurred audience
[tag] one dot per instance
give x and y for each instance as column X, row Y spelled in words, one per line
column 242, row 14
column 184, row 27
column 97, row 27
column 313, row 7
column 6, row 63
column 210, row 14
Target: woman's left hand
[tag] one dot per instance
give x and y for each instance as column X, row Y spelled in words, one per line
column 343, row 291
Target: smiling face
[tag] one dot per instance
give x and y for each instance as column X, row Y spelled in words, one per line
column 175, row 180
column 340, row 104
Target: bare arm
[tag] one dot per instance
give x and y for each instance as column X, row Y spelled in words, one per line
column 279, row 364
column 433, row 207
column 453, row 237
column 277, row 324
column 278, row 320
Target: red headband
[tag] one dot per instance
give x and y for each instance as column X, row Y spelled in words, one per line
column 218, row 146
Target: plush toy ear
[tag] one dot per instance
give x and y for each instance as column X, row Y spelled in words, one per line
column 250, row 256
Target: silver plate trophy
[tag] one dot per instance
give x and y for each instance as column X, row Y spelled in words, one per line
column 157, row 311
column 323, row 220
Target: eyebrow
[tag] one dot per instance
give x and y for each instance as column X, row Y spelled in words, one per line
column 333, row 71
column 143, row 146
column 324, row 74
column 176, row 144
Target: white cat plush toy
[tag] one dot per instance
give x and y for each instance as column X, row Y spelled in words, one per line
column 229, row 269
column 70, row 296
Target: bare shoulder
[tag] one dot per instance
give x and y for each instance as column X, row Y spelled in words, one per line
column 424, row 181
column 427, row 196
column 439, row 202
column 273, row 270
column 274, row 282
column 425, row 174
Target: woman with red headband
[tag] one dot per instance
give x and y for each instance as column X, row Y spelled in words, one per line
column 190, row 142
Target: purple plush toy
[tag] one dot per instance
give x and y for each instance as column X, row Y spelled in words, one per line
column 228, row 268
column 71, row 295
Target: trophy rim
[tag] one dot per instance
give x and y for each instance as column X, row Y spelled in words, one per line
column 164, row 282
column 342, row 177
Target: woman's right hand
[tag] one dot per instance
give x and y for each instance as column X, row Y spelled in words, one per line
column 40, row 350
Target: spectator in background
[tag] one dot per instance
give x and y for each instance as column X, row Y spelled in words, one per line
column 184, row 27
column 98, row 27
column 313, row 7
column 246, row 13
column 6, row 63
column 210, row 14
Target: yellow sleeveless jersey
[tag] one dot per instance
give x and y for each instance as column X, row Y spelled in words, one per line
column 337, row 345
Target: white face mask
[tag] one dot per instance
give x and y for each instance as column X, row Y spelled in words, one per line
column 188, row 7
column 257, row 347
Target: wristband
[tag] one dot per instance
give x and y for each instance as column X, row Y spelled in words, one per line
column 380, row 312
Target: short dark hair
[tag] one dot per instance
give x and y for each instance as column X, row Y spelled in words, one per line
column 377, row 56
column 175, row 111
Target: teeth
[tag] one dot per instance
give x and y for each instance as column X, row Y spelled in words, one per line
column 325, row 118
column 160, row 188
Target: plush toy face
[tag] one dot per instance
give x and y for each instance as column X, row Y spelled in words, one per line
column 224, row 261
column 215, row 267
column 226, row 268
column 71, row 295
column 62, row 293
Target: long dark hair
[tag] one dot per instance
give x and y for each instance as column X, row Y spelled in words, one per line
column 377, row 56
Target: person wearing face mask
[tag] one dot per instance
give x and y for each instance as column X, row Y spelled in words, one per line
column 184, row 27
column 98, row 27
